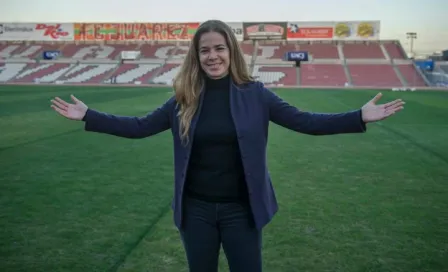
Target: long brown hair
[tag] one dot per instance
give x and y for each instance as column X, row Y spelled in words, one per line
column 189, row 81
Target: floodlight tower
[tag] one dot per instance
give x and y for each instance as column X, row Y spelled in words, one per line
column 411, row 36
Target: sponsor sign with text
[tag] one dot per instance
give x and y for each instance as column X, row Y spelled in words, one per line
column 184, row 31
column 36, row 32
column 353, row 30
column 134, row 31
column 264, row 30
column 237, row 29
column 298, row 31
column 51, row 55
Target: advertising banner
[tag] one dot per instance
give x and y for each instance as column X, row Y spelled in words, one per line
column 365, row 30
column 36, row 32
column 184, row 31
column 310, row 30
column 264, row 30
column 237, row 28
column 353, row 30
column 134, row 31
column 51, row 55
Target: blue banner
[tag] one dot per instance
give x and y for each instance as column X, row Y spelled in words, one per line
column 51, row 55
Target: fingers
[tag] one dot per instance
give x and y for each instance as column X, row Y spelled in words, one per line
column 59, row 104
column 395, row 103
column 376, row 98
column 60, row 111
column 393, row 110
column 76, row 100
column 61, row 101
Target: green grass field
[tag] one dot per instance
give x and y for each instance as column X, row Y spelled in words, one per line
column 78, row 201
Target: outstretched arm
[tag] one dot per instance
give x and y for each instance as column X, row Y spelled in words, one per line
column 288, row 116
column 130, row 127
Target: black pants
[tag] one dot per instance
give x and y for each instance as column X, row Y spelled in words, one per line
column 206, row 225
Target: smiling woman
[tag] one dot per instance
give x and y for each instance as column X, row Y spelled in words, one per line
column 214, row 55
column 219, row 118
column 216, row 47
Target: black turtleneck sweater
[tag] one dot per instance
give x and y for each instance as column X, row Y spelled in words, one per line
column 215, row 171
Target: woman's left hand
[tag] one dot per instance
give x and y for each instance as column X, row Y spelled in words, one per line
column 371, row 112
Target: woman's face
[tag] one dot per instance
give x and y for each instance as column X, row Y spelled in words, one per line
column 214, row 55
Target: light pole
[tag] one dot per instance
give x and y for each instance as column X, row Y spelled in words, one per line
column 411, row 36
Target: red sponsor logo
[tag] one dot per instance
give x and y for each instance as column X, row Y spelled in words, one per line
column 53, row 31
column 296, row 32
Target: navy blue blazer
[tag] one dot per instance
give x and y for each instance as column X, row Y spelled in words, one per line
column 252, row 107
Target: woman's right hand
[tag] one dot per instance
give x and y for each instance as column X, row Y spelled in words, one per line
column 75, row 111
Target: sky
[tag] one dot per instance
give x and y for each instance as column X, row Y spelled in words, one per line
column 428, row 18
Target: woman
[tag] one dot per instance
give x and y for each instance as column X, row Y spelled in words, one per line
column 219, row 117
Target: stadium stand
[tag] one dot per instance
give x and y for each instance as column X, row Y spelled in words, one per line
column 438, row 76
column 372, row 63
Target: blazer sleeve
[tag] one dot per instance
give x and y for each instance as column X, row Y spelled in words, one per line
column 128, row 126
column 288, row 116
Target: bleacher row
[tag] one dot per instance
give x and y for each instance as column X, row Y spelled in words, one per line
column 373, row 64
